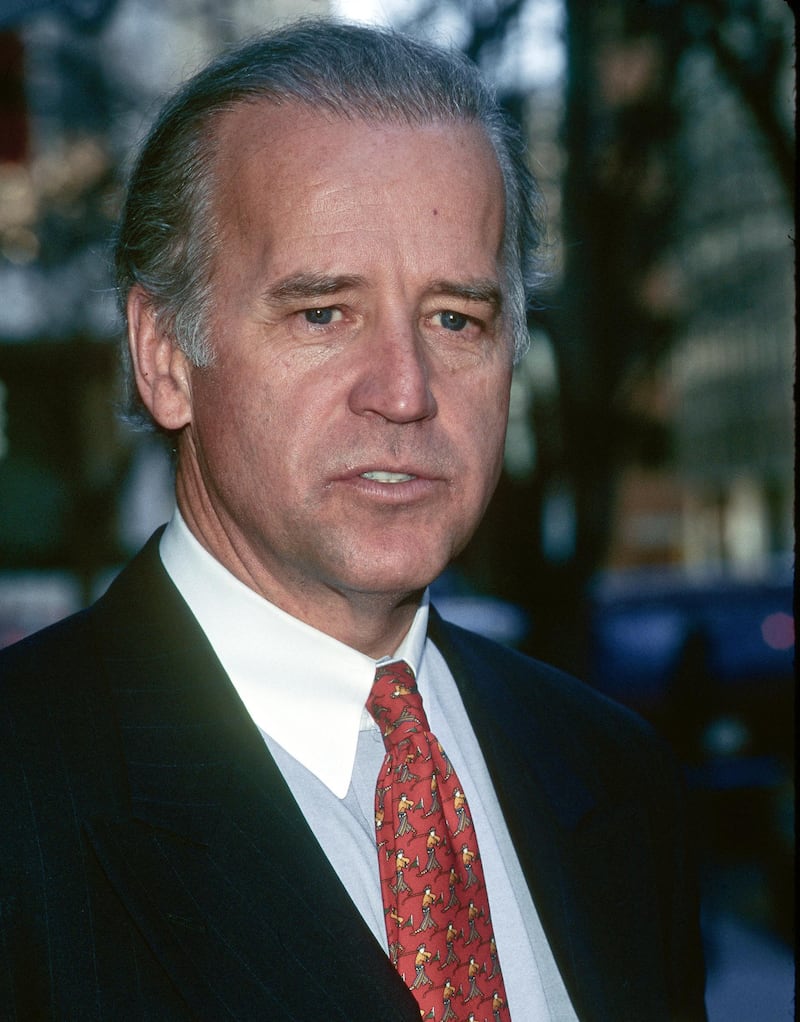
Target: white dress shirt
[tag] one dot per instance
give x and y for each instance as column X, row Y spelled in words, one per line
column 331, row 758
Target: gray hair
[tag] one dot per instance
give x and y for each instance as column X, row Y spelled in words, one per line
column 166, row 235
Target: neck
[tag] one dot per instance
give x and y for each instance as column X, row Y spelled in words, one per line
column 374, row 623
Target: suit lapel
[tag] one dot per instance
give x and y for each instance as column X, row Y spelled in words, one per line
column 561, row 815
column 215, row 862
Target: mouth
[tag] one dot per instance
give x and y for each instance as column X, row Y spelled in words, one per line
column 381, row 476
column 406, row 485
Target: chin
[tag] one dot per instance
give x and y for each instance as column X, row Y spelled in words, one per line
column 395, row 562
column 390, row 576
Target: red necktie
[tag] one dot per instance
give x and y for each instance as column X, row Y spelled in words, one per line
column 434, row 896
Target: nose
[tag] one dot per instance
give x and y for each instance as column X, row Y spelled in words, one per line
column 393, row 377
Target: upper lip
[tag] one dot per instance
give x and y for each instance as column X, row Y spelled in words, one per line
column 404, row 469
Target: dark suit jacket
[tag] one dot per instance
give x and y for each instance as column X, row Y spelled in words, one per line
column 153, row 864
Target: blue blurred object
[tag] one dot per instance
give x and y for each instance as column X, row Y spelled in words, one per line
column 709, row 661
column 644, row 625
column 750, row 973
column 496, row 619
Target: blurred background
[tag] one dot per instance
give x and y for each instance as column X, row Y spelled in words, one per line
column 642, row 534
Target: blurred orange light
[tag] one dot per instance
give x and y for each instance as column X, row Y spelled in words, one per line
column 777, row 630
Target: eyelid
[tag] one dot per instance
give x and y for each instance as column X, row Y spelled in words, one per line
column 441, row 313
column 474, row 308
column 336, row 310
column 454, row 310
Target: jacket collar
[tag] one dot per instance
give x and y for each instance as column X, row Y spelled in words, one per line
column 214, row 861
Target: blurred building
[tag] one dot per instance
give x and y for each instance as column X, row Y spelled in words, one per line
column 732, row 372
column 80, row 81
column 721, row 495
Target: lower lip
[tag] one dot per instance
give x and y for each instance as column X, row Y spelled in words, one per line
column 416, row 489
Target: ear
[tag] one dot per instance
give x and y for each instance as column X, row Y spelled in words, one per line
column 161, row 369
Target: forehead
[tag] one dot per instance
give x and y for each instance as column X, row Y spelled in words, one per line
column 273, row 162
column 250, row 124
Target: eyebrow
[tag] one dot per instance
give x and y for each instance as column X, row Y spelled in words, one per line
column 486, row 291
column 306, row 286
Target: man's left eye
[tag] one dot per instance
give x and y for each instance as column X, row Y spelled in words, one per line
column 453, row 320
column 322, row 316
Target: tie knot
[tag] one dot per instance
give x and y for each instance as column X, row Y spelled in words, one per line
column 395, row 703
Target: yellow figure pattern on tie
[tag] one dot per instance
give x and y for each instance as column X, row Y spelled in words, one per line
column 436, row 908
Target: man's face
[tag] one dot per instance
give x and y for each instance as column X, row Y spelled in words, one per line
column 349, row 434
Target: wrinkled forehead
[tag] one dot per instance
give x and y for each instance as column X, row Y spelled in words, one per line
column 278, row 140
column 286, row 171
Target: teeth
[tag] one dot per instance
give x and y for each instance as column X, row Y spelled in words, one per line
column 387, row 477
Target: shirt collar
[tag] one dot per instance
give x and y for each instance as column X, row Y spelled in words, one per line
column 303, row 688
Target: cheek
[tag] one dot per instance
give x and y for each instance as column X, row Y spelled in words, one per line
column 265, row 434
column 489, row 407
column 230, row 419
column 480, row 437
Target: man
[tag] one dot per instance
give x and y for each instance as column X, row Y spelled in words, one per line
column 323, row 260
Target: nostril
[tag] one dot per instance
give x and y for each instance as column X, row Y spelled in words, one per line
column 394, row 382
